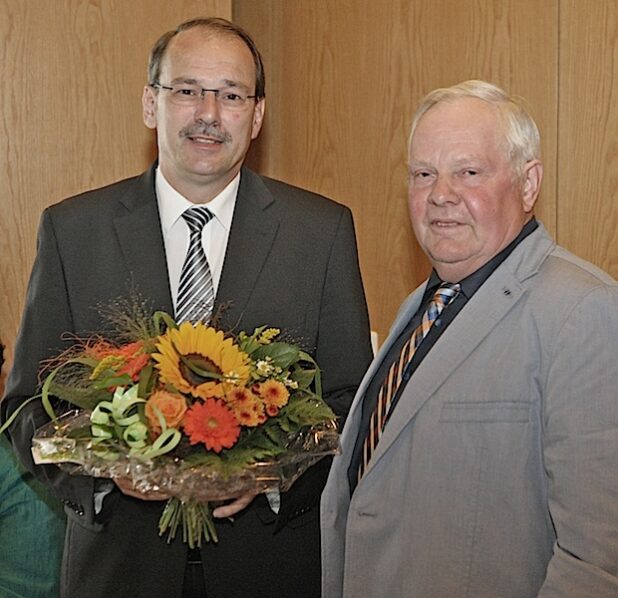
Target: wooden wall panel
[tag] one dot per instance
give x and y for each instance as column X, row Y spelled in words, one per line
column 588, row 131
column 72, row 74
column 343, row 80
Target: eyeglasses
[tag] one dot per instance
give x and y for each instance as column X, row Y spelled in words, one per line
column 185, row 94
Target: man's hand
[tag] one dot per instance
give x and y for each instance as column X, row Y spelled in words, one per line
column 237, row 505
column 228, row 510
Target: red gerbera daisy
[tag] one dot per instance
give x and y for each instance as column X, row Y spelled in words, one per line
column 213, row 424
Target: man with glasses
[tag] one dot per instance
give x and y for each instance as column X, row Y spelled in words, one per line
column 276, row 255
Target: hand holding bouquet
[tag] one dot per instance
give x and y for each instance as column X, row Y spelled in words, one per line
column 189, row 411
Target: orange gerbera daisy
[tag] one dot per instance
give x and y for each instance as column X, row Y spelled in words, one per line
column 212, row 424
column 273, row 393
column 199, row 360
column 247, row 407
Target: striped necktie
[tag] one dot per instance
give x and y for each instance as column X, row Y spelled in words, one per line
column 196, row 293
column 442, row 297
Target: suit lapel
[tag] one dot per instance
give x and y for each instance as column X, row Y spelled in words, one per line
column 250, row 241
column 407, row 310
column 141, row 242
column 490, row 304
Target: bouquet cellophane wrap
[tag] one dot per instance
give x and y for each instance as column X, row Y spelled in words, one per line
column 59, row 443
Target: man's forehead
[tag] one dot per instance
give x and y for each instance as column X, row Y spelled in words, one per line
column 465, row 111
column 460, row 121
column 202, row 43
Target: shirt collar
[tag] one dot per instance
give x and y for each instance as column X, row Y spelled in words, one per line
column 473, row 282
column 172, row 204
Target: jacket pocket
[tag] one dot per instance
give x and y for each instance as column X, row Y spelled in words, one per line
column 485, row 411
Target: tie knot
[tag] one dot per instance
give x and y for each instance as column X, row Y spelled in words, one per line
column 446, row 293
column 197, row 218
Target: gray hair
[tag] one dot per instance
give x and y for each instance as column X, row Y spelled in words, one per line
column 521, row 135
column 215, row 25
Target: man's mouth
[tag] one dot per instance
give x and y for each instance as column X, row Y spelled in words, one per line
column 443, row 223
column 204, row 140
column 205, row 134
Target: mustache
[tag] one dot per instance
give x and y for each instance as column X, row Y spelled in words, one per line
column 206, row 130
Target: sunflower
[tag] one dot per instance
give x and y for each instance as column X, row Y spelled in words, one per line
column 199, row 360
column 212, row 424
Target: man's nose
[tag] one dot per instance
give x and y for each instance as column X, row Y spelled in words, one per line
column 442, row 191
column 207, row 109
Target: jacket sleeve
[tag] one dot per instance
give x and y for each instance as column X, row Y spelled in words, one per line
column 46, row 318
column 581, row 450
column 343, row 352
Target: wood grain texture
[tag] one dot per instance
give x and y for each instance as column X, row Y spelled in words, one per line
column 344, row 78
column 588, row 131
column 73, row 73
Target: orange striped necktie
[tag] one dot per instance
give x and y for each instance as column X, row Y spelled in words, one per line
column 442, row 297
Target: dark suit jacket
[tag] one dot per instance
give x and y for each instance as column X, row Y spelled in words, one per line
column 291, row 262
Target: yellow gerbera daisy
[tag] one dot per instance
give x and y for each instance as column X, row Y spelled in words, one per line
column 199, row 360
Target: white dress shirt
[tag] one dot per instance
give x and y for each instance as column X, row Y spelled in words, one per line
column 176, row 231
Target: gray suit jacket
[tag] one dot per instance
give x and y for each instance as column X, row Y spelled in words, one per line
column 290, row 262
column 496, row 475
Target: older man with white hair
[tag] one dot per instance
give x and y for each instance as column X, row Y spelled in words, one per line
column 479, row 457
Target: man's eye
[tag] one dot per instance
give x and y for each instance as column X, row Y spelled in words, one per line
column 420, row 177
column 230, row 96
column 186, row 91
column 470, row 172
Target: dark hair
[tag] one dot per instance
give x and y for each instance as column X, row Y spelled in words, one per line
column 216, row 25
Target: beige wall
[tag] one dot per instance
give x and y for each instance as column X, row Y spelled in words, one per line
column 587, row 219
column 343, row 77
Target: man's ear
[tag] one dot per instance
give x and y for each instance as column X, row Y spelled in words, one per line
column 258, row 117
column 532, row 177
column 149, row 107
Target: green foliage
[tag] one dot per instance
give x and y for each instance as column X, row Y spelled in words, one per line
column 302, row 411
column 81, row 396
column 281, row 354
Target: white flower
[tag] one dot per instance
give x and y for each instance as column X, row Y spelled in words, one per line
column 263, row 367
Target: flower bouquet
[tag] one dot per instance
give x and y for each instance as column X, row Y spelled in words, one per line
column 189, row 410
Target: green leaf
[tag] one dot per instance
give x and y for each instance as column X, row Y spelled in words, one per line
column 84, row 398
column 147, row 381
column 122, row 380
column 303, row 378
column 161, row 316
column 281, row 354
